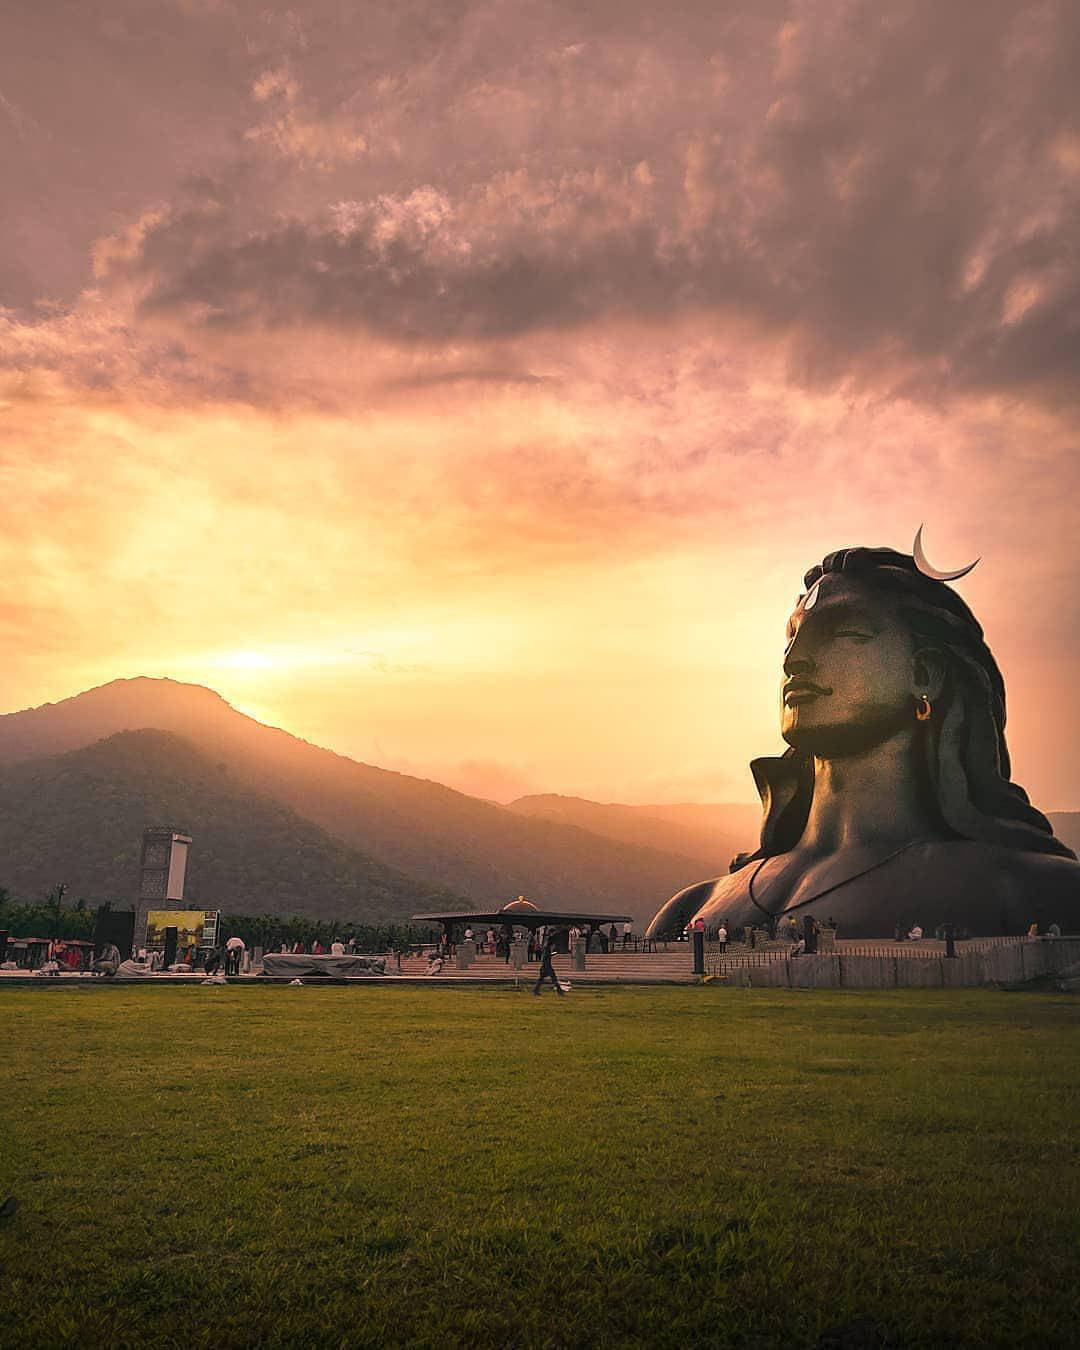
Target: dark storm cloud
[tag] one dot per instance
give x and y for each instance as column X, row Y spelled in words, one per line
column 930, row 162
column 103, row 104
column 410, row 288
column 894, row 190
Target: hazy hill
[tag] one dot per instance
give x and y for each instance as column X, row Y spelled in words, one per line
column 1067, row 828
column 711, row 834
column 79, row 818
column 424, row 829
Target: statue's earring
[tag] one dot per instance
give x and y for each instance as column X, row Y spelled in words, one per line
column 923, row 708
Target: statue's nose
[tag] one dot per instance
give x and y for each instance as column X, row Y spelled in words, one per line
column 797, row 660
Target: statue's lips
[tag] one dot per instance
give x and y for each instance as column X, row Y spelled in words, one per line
column 802, row 692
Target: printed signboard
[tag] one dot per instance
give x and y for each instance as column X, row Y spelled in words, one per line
column 194, row 927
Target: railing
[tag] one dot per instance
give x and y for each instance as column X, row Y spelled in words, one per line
column 739, row 956
column 716, row 962
column 925, row 948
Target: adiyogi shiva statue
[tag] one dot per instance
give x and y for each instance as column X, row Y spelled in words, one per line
column 893, row 802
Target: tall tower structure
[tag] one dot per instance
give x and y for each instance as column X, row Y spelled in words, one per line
column 163, row 867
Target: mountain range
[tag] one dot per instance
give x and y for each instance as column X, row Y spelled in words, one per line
column 433, row 838
column 283, row 826
column 78, row 817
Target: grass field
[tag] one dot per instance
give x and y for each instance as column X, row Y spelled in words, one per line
column 673, row 1167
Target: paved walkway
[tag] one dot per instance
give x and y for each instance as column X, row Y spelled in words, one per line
column 674, row 966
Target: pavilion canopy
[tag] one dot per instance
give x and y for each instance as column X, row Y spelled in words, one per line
column 523, row 915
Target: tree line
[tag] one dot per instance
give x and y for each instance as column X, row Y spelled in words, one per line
column 270, row 931
column 53, row 918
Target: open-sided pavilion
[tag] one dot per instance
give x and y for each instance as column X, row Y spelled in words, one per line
column 520, row 913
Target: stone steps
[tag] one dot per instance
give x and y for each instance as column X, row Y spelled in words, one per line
column 613, row 966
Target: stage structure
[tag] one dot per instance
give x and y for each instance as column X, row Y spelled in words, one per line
column 163, row 868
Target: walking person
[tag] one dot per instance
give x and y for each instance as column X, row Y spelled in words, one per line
column 547, row 968
column 721, row 938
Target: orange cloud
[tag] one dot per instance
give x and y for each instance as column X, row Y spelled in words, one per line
column 477, row 399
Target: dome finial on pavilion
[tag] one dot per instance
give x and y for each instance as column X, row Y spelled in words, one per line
column 517, row 906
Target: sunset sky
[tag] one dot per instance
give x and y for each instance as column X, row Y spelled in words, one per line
column 467, row 386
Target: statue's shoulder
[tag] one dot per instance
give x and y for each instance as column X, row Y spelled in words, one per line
column 731, row 886
column 999, row 874
column 1051, row 873
column 712, row 899
column 990, row 860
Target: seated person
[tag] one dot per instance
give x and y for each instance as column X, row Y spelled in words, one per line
column 108, row 963
column 435, row 964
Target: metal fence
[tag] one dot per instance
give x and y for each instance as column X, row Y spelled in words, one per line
column 926, row 947
column 738, row 955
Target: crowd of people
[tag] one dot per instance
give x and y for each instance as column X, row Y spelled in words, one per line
column 498, row 942
column 60, row 957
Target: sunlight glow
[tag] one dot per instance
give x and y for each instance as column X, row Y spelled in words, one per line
column 244, row 661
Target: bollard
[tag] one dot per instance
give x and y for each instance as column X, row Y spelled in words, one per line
column 579, row 953
column 466, row 954
column 519, row 951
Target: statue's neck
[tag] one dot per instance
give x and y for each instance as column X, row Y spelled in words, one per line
column 869, row 799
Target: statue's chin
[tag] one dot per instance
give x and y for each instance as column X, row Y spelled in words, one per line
column 841, row 739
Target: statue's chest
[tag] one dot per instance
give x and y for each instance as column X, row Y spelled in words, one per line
column 795, row 881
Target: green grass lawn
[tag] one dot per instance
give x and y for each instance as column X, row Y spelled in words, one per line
column 673, row 1167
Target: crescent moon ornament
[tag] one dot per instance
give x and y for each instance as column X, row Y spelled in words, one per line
column 926, row 567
